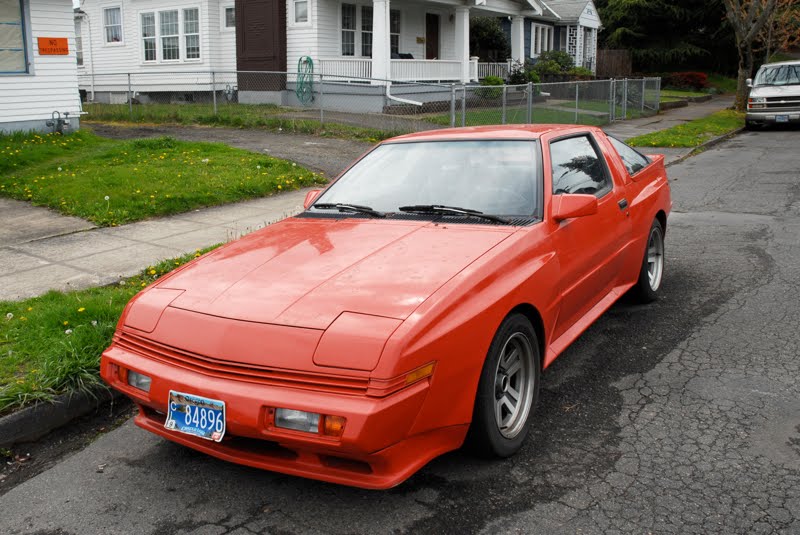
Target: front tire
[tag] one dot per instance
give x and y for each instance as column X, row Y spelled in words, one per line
column 651, row 274
column 508, row 390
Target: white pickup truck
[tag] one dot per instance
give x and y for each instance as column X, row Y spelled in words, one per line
column 774, row 95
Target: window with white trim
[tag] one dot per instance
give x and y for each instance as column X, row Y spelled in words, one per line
column 112, row 24
column 366, row 31
column 191, row 32
column 394, row 30
column 149, row 36
column 356, row 23
column 300, row 11
column 13, row 44
column 348, row 29
column 230, row 17
column 78, row 43
column 170, row 35
column 541, row 39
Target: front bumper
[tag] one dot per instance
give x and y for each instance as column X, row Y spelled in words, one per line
column 373, row 452
column 771, row 116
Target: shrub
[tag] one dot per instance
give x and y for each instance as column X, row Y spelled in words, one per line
column 517, row 75
column 534, row 77
column 563, row 59
column 687, row 80
column 547, row 67
column 490, row 92
column 581, row 72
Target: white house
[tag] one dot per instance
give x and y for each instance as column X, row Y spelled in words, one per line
column 383, row 40
column 169, row 48
column 38, row 77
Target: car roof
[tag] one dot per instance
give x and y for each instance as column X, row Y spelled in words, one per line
column 507, row 132
column 781, row 63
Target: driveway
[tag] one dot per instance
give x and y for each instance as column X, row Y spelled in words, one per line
column 679, row 417
column 321, row 154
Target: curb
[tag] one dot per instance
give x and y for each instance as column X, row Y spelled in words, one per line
column 707, row 145
column 32, row 423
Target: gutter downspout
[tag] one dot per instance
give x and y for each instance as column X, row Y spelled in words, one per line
column 398, row 99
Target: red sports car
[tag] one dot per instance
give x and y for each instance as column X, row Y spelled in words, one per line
column 411, row 306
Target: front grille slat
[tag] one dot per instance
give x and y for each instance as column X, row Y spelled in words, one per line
column 241, row 372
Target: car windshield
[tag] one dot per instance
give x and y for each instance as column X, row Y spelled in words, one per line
column 491, row 176
column 779, row 75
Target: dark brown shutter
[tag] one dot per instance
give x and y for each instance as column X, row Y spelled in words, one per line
column 261, row 43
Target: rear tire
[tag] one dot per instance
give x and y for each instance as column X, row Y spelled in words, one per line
column 651, row 274
column 508, row 390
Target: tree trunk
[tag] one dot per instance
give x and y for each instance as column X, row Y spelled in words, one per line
column 745, row 66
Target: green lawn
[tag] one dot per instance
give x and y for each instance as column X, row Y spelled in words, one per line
column 265, row 116
column 112, row 182
column 693, row 133
column 51, row 344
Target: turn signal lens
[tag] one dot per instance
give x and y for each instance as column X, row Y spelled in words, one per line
column 333, row 426
column 419, row 373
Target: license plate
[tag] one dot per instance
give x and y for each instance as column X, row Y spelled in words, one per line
column 781, row 118
column 196, row 415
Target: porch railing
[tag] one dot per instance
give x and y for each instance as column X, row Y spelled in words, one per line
column 403, row 70
column 493, row 69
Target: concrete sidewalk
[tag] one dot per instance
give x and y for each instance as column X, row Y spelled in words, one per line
column 65, row 253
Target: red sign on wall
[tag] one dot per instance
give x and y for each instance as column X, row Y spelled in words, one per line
column 53, row 46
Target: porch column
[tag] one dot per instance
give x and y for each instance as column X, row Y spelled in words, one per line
column 462, row 41
column 518, row 39
column 381, row 47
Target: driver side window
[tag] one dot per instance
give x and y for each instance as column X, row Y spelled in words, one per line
column 578, row 167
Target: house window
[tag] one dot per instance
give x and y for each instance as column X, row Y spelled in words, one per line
column 541, row 39
column 348, row 29
column 191, row 32
column 170, row 39
column 366, row 31
column 78, row 43
column 112, row 23
column 149, row 36
column 230, row 17
column 301, row 11
column 394, row 31
column 13, row 49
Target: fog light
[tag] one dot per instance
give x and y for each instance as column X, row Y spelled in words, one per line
column 297, row 420
column 138, row 380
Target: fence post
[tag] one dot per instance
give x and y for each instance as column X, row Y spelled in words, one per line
column 464, row 105
column 452, row 105
column 130, row 97
column 644, row 89
column 321, row 97
column 625, row 99
column 529, row 111
column 577, row 89
column 503, row 117
column 658, row 94
column 612, row 100
column 214, row 90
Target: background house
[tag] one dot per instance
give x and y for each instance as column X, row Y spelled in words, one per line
column 169, row 47
column 38, row 77
column 566, row 25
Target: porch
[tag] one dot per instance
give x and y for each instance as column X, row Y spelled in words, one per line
column 404, row 40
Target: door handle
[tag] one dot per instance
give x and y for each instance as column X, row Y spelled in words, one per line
column 623, row 204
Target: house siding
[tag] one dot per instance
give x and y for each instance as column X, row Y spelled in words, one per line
column 28, row 100
column 217, row 48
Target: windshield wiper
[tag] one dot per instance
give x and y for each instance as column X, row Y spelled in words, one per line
column 345, row 207
column 451, row 210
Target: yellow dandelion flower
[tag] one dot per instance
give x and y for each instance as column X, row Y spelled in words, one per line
column 81, row 309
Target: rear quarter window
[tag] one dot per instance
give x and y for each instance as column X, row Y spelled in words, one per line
column 631, row 158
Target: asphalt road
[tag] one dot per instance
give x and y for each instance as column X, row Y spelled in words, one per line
column 679, row 417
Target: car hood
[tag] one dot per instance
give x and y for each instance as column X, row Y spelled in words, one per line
column 305, row 272
column 772, row 91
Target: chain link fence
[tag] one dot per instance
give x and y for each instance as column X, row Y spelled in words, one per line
column 308, row 102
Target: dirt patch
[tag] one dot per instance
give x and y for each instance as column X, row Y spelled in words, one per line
column 326, row 155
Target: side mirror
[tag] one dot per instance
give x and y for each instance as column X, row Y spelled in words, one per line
column 311, row 196
column 749, row 82
column 568, row 206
